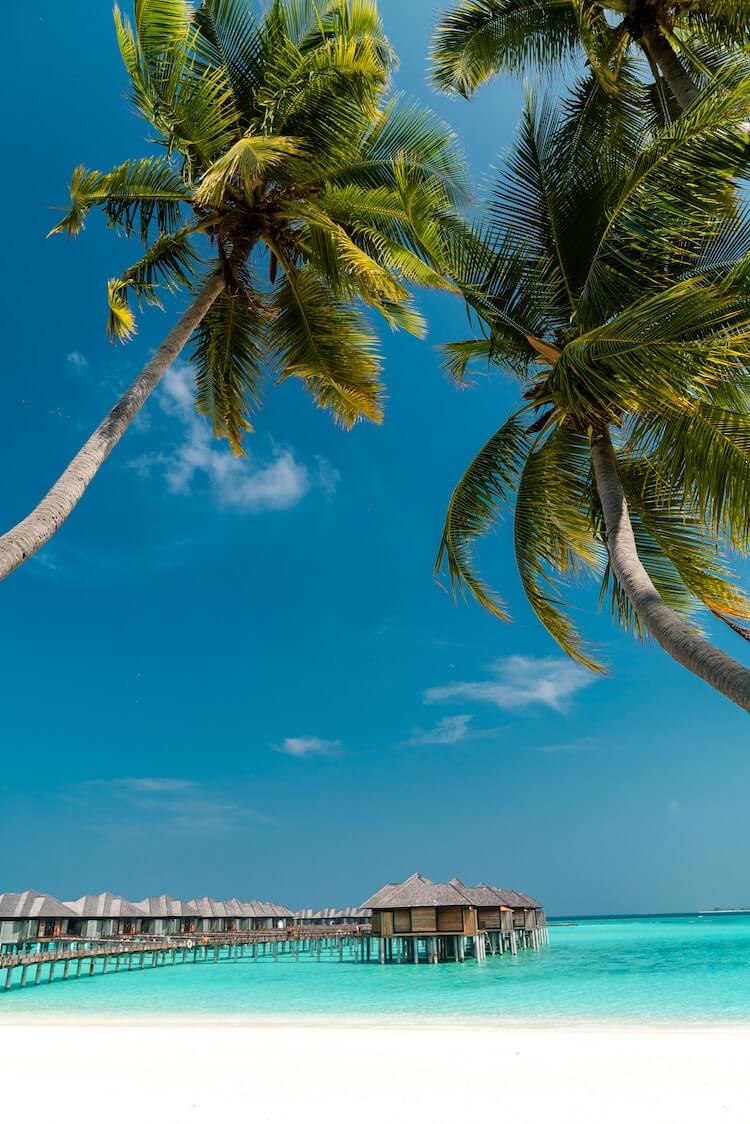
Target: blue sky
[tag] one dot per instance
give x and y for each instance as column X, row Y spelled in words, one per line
column 239, row 678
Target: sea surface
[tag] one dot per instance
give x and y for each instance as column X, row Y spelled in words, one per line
column 687, row 969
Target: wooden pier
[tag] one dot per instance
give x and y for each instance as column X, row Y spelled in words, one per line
column 72, row 959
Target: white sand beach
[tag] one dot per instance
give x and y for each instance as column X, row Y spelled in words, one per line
column 180, row 1073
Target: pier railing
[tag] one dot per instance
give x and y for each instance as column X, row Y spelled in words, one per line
column 354, row 942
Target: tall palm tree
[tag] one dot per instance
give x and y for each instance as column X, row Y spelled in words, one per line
column 318, row 197
column 615, row 282
column 681, row 40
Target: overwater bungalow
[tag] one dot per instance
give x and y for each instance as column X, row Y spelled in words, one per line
column 166, row 916
column 29, row 916
column 349, row 915
column 450, row 920
column 104, row 915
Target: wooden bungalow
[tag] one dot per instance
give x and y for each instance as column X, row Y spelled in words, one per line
column 166, row 916
column 105, row 915
column 449, row 920
column 29, row 917
column 349, row 915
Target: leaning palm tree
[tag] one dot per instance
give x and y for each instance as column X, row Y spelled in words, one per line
column 680, row 40
column 293, row 195
column 615, row 282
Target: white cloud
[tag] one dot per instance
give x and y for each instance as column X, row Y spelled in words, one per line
column 310, row 747
column 448, row 731
column 241, row 483
column 77, row 361
column 518, row 682
column 153, row 784
column 583, row 745
column 328, row 476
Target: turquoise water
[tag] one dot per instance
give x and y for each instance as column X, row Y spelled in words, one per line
column 686, row 969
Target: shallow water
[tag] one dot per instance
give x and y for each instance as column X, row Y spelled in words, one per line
column 673, row 969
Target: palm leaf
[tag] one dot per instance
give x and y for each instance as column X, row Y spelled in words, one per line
column 553, row 533
column 228, row 359
column 483, row 490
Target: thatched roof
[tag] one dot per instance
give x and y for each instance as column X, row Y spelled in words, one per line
column 105, row 905
column 514, row 899
column 29, row 904
column 163, row 906
column 351, row 912
column 415, row 892
column 480, row 896
column 420, row 891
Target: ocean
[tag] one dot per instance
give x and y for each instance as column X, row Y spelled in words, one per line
column 686, row 969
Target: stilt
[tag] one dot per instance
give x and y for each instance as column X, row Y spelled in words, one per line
column 8, row 978
column 79, row 962
column 24, row 970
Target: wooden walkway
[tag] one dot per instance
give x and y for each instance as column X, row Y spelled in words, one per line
column 354, row 942
column 69, row 958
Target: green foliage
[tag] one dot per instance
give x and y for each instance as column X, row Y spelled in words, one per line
column 477, row 39
column 286, row 156
column 611, row 276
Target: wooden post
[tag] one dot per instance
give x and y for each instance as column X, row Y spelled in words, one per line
column 24, row 970
column 38, row 974
column 51, row 975
column 66, row 969
column 8, row 978
column 79, row 962
column 381, row 950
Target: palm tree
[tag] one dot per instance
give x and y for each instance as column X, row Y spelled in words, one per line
column 681, row 40
column 615, row 283
column 318, row 196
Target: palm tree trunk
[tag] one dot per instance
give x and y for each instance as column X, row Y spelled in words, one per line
column 674, row 635
column 28, row 536
column 677, row 78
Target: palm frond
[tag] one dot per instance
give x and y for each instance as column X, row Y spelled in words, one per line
column 327, row 344
column 482, row 492
column 228, row 357
column 683, row 181
column 132, row 196
column 553, row 534
column 242, row 167
column 476, row 39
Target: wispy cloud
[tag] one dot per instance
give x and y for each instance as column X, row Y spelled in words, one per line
column 244, row 484
column 518, row 682
column 582, row 745
column 152, row 784
column 310, row 747
column 448, row 731
column 164, row 804
column 77, row 361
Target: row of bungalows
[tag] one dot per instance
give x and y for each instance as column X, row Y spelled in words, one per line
column 338, row 918
column 28, row 917
column 449, row 917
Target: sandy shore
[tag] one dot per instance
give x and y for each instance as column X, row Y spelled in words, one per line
column 173, row 1074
